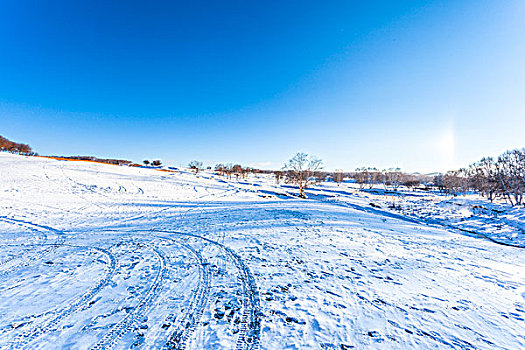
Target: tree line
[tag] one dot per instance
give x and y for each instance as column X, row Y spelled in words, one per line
column 14, row 147
column 501, row 177
column 153, row 162
column 234, row 170
column 391, row 178
column 99, row 160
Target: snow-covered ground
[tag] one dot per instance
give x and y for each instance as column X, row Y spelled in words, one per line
column 98, row 256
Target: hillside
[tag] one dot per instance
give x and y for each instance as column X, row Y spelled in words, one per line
column 100, row 256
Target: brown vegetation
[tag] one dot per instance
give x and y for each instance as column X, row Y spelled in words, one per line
column 94, row 160
column 14, row 147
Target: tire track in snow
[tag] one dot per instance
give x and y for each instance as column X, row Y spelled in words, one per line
column 74, row 184
column 157, row 212
column 76, row 211
column 27, row 259
column 179, row 329
column 76, row 305
column 121, row 327
column 250, row 328
column 33, row 227
column 180, row 333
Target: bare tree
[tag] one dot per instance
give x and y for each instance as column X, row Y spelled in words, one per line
column 361, row 177
column 302, row 170
column 278, row 176
column 224, row 169
column 484, row 177
column 338, row 176
column 511, row 173
column 503, row 177
column 394, row 178
column 411, row 181
column 367, row 177
column 238, row 171
column 454, row 182
column 220, row 169
column 195, row 165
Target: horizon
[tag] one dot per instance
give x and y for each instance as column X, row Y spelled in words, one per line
column 424, row 86
column 207, row 167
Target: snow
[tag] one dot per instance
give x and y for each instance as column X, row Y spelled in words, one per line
column 98, row 256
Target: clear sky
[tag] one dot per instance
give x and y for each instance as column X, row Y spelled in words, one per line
column 426, row 86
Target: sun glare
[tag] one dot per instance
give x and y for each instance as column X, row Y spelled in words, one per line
column 445, row 146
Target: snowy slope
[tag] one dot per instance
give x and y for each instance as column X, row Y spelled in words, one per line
column 97, row 256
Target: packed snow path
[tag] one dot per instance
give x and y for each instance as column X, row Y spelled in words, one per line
column 97, row 256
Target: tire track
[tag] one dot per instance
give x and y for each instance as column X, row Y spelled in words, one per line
column 250, row 327
column 157, row 212
column 116, row 333
column 178, row 329
column 73, row 186
column 76, row 305
column 29, row 225
column 27, row 259
column 180, row 333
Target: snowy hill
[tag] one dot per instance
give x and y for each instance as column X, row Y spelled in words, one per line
column 97, row 256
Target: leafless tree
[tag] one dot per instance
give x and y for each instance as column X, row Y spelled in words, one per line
column 220, row 169
column 504, row 177
column 278, row 176
column 484, row 177
column 238, row 171
column 455, row 182
column 228, row 170
column 302, row 170
column 338, row 176
column 393, row 177
column 195, row 165
column 367, row 177
column 411, row 181
column 361, row 177
column 511, row 174
column 247, row 171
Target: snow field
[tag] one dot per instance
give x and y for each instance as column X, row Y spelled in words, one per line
column 97, row 256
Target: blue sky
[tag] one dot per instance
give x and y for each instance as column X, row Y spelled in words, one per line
column 426, row 86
